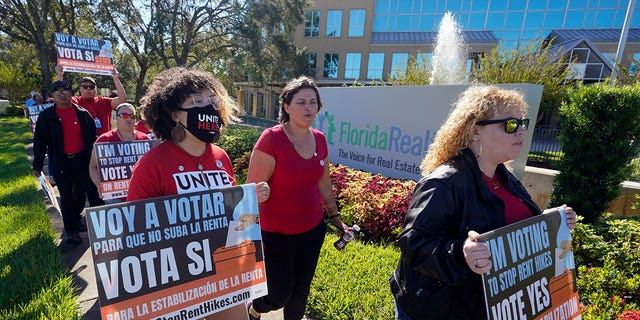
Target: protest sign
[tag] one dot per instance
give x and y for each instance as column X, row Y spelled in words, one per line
column 533, row 271
column 184, row 256
column 34, row 111
column 47, row 188
column 79, row 54
column 115, row 163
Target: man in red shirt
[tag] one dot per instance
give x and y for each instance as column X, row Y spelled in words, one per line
column 99, row 107
column 66, row 133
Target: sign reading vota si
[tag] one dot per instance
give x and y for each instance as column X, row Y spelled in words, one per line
column 387, row 130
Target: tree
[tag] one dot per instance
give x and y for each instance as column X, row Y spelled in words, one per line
column 526, row 65
column 266, row 49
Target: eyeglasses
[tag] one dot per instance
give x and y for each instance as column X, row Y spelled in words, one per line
column 200, row 100
column 60, row 92
column 88, row 86
column 511, row 125
column 125, row 115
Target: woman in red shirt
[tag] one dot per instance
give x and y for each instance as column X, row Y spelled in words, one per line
column 293, row 158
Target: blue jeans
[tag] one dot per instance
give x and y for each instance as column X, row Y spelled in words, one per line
column 400, row 315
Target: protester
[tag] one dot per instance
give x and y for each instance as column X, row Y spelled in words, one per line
column 66, row 133
column 124, row 131
column 292, row 158
column 100, row 109
column 36, row 99
column 467, row 190
column 141, row 124
column 187, row 109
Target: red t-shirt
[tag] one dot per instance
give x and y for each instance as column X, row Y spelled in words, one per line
column 294, row 204
column 168, row 170
column 112, row 136
column 71, row 131
column 514, row 208
column 100, row 108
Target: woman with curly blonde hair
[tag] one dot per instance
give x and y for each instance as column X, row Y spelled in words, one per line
column 466, row 190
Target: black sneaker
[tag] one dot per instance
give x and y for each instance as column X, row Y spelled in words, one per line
column 251, row 312
column 73, row 238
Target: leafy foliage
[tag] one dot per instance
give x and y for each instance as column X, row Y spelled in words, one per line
column 600, row 135
column 418, row 73
column 608, row 256
column 528, row 64
column 238, row 139
column 376, row 203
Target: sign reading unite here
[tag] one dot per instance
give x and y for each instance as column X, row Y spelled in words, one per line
column 115, row 164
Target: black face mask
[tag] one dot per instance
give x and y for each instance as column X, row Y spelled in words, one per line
column 203, row 123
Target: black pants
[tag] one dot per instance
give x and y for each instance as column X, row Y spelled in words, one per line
column 71, row 183
column 92, row 193
column 290, row 262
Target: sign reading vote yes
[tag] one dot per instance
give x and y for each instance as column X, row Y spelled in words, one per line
column 533, row 272
column 115, row 164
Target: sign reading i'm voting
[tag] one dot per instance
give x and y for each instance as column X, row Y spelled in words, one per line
column 533, row 272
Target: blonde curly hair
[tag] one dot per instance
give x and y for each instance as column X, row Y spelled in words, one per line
column 477, row 103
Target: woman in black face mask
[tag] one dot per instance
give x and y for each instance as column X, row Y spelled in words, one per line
column 186, row 109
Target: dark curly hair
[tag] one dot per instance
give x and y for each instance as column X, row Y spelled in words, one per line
column 171, row 88
column 290, row 89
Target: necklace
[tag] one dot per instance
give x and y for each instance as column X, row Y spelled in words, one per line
column 197, row 160
column 492, row 182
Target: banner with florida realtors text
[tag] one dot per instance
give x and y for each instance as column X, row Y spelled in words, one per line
column 184, row 256
column 533, row 272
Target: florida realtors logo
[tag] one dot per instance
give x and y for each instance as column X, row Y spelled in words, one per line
column 371, row 136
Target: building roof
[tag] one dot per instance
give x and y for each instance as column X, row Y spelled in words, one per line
column 557, row 50
column 595, row 35
column 428, row 37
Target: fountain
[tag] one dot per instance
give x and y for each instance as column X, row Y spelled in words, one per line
column 449, row 55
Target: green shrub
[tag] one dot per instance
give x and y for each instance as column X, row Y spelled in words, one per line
column 238, row 139
column 240, row 167
column 608, row 256
column 600, row 135
column 14, row 111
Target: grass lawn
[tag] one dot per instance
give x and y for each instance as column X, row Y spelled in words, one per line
column 34, row 283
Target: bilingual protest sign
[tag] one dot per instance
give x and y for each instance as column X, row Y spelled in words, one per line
column 115, row 164
column 177, row 257
column 47, row 188
column 533, row 272
column 79, row 54
column 34, row 111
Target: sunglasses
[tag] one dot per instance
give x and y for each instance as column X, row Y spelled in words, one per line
column 511, row 125
column 88, row 86
column 125, row 115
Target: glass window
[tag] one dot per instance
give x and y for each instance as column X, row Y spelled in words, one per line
column 402, row 23
column 334, row 23
column 553, row 20
column 453, row 6
column 518, row 4
column 574, row 19
column 404, row 7
column 352, row 66
column 427, row 22
column 476, row 21
column 495, row 20
column 555, row 4
column 399, row 63
column 382, row 6
column 356, row 22
column 479, row 6
column 633, row 66
column 588, row 19
column 330, row 69
column 311, row 64
column 514, row 20
column 619, row 20
column 498, row 5
column 538, row 5
column 376, row 65
column 423, row 60
column 603, row 18
column 380, row 23
column 577, row 4
column 311, row 23
column 533, row 20
column 428, row 6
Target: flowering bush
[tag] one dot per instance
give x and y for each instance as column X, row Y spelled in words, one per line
column 376, row 203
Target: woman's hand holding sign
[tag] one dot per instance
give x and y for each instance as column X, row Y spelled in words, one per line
column 476, row 254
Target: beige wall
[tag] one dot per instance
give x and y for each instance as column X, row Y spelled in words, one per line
column 539, row 183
